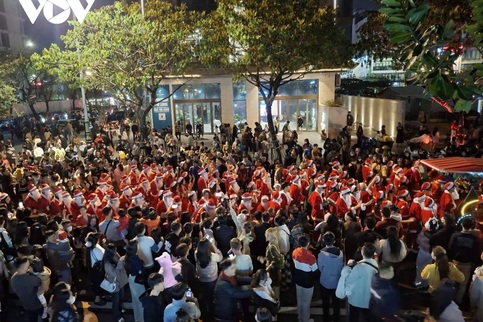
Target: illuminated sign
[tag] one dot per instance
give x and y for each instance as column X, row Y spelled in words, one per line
column 56, row 11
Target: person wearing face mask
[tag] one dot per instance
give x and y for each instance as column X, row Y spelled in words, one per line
column 263, row 295
column 447, row 201
column 62, row 304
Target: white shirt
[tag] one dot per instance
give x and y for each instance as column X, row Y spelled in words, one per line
column 97, row 253
column 144, row 250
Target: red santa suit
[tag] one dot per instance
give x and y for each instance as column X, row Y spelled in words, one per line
column 202, row 182
column 262, row 187
column 246, row 204
column 35, row 201
column 446, row 204
column 333, row 198
column 162, row 206
column 366, row 172
column 345, row 203
column 275, row 202
column 316, row 201
column 296, row 193
column 428, row 211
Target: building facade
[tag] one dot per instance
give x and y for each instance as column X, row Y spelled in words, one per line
column 12, row 35
column 211, row 101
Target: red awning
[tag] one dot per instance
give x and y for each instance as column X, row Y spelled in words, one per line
column 455, row 164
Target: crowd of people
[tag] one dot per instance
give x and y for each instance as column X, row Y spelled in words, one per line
column 220, row 233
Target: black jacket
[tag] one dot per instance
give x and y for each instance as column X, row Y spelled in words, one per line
column 259, row 302
column 223, row 234
column 226, row 299
column 153, row 306
column 442, row 237
column 259, row 244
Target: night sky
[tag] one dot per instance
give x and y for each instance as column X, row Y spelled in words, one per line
column 43, row 33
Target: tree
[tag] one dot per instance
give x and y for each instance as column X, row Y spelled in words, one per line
column 430, row 36
column 118, row 49
column 9, row 63
column 270, row 43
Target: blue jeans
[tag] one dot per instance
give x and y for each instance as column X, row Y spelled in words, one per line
column 117, row 298
column 65, row 276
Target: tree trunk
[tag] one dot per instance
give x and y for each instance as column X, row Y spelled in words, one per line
column 34, row 112
column 271, row 128
column 141, row 116
column 47, row 107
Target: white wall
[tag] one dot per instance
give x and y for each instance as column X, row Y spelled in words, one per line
column 375, row 112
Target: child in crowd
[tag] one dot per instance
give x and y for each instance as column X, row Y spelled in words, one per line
column 43, row 272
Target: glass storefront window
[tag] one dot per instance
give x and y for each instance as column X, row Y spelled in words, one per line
column 239, row 103
column 197, row 91
column 298, row 88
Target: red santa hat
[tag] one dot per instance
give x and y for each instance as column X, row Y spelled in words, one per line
column 65, row 194
column 166, row 193
column 159, row 175
column 145, row 166
column 44, row 186
column 345, row 190
column 91, row 197
column 231, row 181
column 212, row 183
column 153, row 166
column 448, row 185
column 275, row 195
column 399, row 170
column 210, row 204
column 136, row 194
column 246, row 196
column 111, row 195
column 351, row 182
column 177, row 199
column 333, row 174
column 321, row 184
column 380, row 195
column 295, row 178
column 309, row 163
column 310, row 172
column 402, row 193
column 335, row 164
column 233, row 196
column 169, row 168
column 123, row 187
column 31, row 187
column 184, row 174
column 390, row 164
column 425, row 186
column 109, row 182
column 265, row 197
column 173, row 183
column 428, row 202
column 78, row 193
column 57, row 189
column 62, row 235
column 123, row 179
column 250, row 185
column 368, row 161
column 143, row 178
column 134, row 166
column 389, row 188
column 191, row 193
column 290, row 168
column 201, row 171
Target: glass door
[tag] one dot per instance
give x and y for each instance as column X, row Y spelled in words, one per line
column 207, row 117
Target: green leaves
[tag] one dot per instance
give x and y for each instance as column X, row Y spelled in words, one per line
column 400, row 36
column 416, row 15
column 441, row 87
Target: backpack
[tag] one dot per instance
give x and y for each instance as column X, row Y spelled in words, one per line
column 97, row 271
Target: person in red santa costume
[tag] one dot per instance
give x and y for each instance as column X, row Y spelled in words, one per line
column 296, row 191
column 168, row 177
column 202, row 182
column 68, row 203
column 284, row 195
column 46, row 197
column 156, row 185
column 152, row 172
column 414, row 177
column 193, row 204
column 176, row 206
column 94, row 206
column 263, row 205
column 144, row 187
column 33, row 200
column 113, row 202
column 447, row 202
column 426, row 189
column 134, row 175
column 332, row 195
column 233, row 187
column 137, row 200
column 261, row 182
column 79, row 200
column 125, row 198
column 56, row 203
column 164, row 203
column 101, row 189
column 316, row 201
column 209, row 207
column 346, row 202
column 429, row 210
column 246, row 204
column 276, row 202
column 367, row 170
